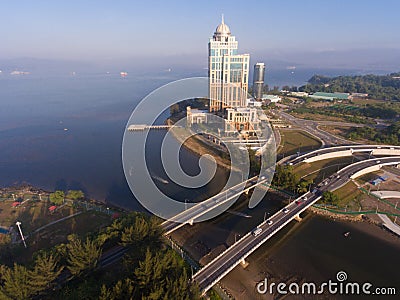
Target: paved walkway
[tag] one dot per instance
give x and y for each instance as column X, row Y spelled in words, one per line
column 389, row 224
column 386, row 194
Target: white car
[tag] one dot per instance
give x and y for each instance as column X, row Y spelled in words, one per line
column 269, row 222
column 257, row 231
column 285, row 210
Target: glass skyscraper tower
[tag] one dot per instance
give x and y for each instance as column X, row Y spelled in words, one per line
column 228, row 71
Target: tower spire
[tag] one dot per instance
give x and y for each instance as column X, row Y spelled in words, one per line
column 222, row 19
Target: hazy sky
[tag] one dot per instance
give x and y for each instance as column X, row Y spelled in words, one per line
column 97, row 29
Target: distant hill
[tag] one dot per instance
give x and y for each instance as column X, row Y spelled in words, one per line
column 385, row 87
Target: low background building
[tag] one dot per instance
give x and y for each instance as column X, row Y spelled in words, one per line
column 271, row 98
column 242, row 120
column 331, row 96
column 195, row 116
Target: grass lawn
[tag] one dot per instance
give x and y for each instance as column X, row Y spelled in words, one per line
column 348, row 193
column 295, row 140
column 362, row 101
column 319, row 170
column 34, row 214
column 318, row 117
column 82, row 224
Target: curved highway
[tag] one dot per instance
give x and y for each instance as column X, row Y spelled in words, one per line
column 231, row 257
column 341, row 151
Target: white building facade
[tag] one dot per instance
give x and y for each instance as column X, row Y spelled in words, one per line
column 228, row 72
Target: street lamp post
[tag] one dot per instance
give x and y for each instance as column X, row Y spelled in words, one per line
column 108, row 210
column 20, row 231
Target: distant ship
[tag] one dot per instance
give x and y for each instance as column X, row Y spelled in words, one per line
column 19, row 73
column 123, row 74
column 347, row 234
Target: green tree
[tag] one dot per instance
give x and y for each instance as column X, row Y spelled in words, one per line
column 123, row 289
column 330, row 198
column 44, row 272
column 303, row 186
column 57, row 197
column 75, row 194
column 82, row 256
column 15, row 283
column 285, row 177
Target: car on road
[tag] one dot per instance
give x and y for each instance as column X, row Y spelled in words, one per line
column 298, row 202
column 378, row 161
column 269, row 222
column 285, row 210
column 256, row 231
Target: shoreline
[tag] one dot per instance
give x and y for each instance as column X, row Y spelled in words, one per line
column 200, row 147
column 29, row 188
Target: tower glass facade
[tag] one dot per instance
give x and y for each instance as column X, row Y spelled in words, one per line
column 258, row 80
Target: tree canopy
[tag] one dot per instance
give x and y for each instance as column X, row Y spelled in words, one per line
column 385, row 87
column 57, row 197
column 75, row 194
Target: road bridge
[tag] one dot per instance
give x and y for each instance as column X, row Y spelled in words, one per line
column 215, row 270
column 189, row 215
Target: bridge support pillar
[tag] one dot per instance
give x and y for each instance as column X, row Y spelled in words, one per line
column 191, row 222
column 244, row 263
column 247, row 192
column 297, row 218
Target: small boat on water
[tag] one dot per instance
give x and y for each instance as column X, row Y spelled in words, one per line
column 346, row 234
column 162, row 180
column 240, row 214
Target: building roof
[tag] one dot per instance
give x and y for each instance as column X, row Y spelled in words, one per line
column 222, row 29
column 343, row 96
column 199, row 111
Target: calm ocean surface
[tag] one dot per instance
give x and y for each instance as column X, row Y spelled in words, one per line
column 66, row 132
